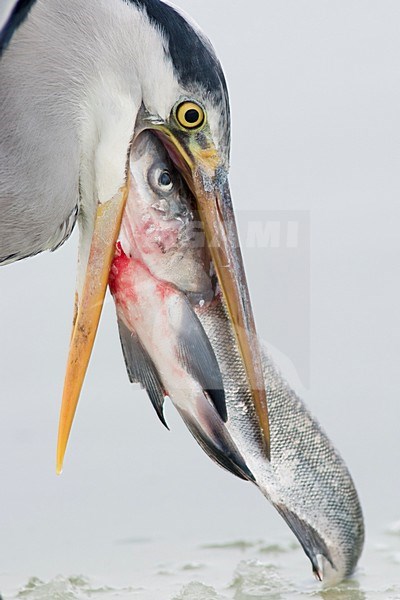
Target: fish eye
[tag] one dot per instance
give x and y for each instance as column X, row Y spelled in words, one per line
column 165, row 180
column 161, row 180
column 190, row 115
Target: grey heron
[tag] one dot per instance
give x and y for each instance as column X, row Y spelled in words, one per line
column 79, row 84
column 149, row 65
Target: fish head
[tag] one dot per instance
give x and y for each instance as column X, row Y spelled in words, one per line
column 161, row 224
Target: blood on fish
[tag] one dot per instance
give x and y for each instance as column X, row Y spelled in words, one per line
column 124, row 277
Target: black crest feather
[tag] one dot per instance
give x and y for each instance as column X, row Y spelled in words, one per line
column 193, row 58
column 16, row 17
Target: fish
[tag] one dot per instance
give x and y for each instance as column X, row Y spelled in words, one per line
column 161, row 225
column 178, row 343
column 306, row 479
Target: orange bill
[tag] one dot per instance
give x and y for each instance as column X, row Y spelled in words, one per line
column 88, row 307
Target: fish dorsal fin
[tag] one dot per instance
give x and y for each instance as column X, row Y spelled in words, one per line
column 198, row 358
column 141, row 369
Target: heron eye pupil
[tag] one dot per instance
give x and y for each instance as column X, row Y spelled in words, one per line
column 192, row 115
column 165, row 179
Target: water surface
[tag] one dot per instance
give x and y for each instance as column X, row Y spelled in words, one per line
column 236, row 570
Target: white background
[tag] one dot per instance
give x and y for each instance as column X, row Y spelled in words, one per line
column 315, row 93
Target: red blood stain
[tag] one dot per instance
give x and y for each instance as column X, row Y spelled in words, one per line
column 122, row 276
column 119, row 266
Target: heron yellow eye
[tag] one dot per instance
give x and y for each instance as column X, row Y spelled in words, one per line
column 190, row 115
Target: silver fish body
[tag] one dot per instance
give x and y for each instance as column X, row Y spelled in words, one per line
column 306, row 480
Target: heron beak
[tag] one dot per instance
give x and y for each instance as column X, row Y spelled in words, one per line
column 88, row 307
column 200, row 164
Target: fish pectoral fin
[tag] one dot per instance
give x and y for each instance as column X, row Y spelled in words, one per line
column 207, row 427
column 198, row 358
column 141, row 369
column 312, row 543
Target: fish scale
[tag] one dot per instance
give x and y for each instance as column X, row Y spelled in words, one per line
column 306, row 480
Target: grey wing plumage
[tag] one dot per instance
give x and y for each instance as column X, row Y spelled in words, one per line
column 39, row 144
